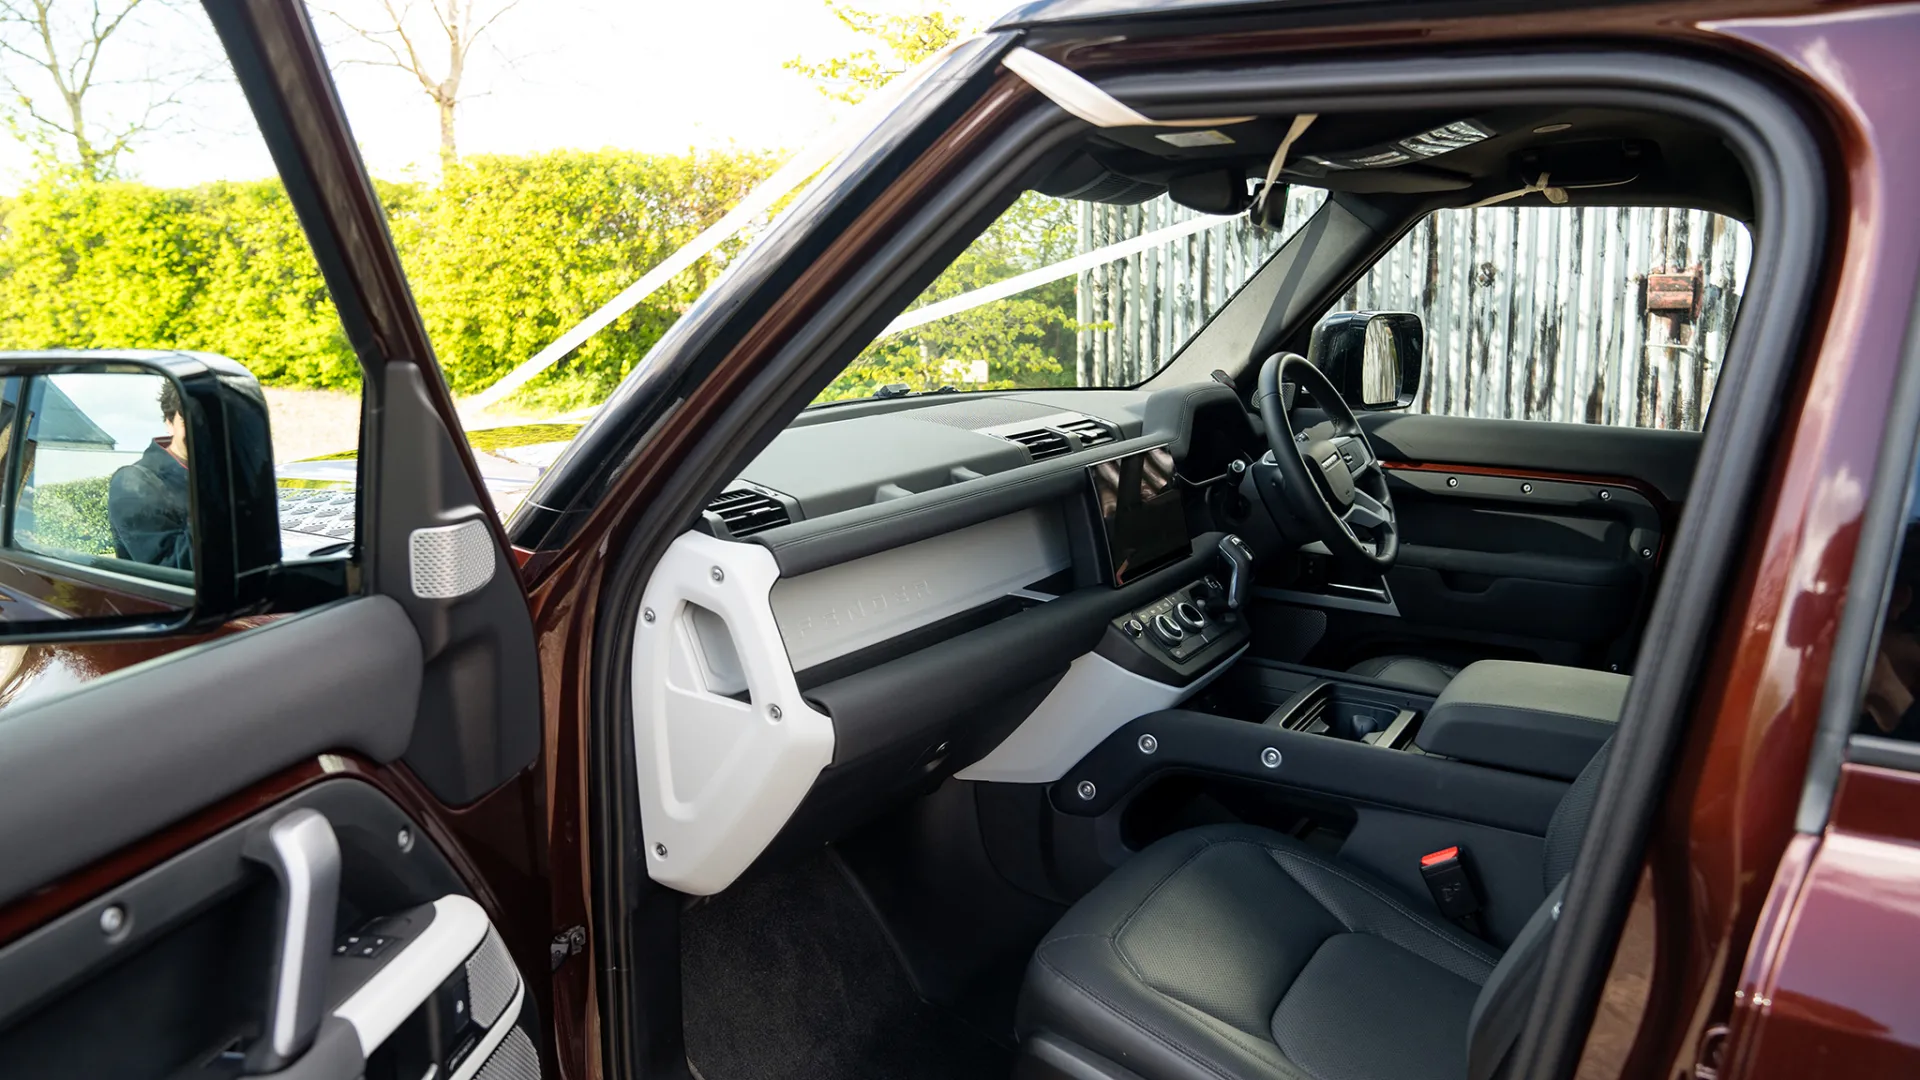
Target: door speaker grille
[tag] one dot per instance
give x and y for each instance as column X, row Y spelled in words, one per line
column 491, row 979
column 449, row 561
column 514, row 1059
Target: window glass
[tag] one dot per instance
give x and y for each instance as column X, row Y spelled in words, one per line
column 1061, row 293
column 1890, row 705
column 140, row 209
column 1594, row 315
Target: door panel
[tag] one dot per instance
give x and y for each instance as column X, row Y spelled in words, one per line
column 1520, row 539
column 173, row 972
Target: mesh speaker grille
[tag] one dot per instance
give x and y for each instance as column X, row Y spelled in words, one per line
column 514, row 1059
column 451, row 560
column 491, row 979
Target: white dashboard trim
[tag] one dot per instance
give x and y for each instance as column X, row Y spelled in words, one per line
column 718, row 776
column 1094, row 699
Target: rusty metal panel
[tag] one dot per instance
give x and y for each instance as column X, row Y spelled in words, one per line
column 1600, row 315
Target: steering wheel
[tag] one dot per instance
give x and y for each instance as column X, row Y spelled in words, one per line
column 1333, row 483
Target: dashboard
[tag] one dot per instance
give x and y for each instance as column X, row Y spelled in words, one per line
column 896, row 592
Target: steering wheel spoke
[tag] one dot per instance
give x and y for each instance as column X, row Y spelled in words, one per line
column 1367, row 512
column 1333, row 483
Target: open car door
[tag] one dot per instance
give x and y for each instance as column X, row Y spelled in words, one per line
column 309, row 844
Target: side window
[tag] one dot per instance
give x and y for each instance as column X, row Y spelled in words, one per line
column 1890, row 705
column 1591, row 315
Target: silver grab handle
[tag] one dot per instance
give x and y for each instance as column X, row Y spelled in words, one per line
column 304, row 856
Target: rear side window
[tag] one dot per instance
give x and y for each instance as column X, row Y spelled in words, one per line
column 1890, row 705
column 1587, row 315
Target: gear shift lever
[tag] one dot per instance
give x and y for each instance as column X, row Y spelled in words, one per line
column 1239, row 570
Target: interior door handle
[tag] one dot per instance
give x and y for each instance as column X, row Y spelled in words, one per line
column 304, row 856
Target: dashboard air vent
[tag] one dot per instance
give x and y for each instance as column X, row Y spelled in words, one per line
column 747, row 512
column 1043, row 443
column 1089, row 431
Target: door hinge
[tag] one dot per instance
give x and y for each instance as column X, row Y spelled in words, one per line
column 569, row 942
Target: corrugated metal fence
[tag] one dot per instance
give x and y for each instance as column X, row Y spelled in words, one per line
column 1531, row 312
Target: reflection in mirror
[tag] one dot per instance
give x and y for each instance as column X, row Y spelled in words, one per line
column 1379, row 365
column 96, row 511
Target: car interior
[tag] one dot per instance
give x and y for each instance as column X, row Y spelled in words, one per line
column 1239, row 723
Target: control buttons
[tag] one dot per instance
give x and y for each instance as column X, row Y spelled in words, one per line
column 1166, row 629
column 365, row 946
column 1189, row 616
column 1135, row 628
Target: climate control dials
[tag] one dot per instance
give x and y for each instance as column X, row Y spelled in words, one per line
column 1167, row 629
column 1189, row 616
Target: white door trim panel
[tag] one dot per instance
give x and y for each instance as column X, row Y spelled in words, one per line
column 718, row 776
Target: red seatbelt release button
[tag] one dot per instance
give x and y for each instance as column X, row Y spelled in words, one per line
column 1447, row 879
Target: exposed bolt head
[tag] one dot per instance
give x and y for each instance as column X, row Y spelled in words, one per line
column 1605, row 495
column 647, row 615
column 718, row 574
column 1646, row 553
column 113, row 919
column 773, row 713
column 1148, row 744
column 1453, row 481
column 405, row 839
column 1086, row 790
column 1526, row 489
column 659, row 851
column 1270, row 758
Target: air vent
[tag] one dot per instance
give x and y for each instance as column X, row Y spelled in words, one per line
column 747, row 512
column 1043, row 443
column 1089, row 431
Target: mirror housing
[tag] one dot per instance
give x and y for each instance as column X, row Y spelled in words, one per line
column 75, row 566
column 1374, row 358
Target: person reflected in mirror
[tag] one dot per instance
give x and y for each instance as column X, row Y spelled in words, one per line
column 148, row 503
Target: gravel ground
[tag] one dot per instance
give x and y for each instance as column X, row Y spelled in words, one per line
column 310, row 422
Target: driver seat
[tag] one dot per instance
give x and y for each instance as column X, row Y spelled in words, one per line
column 1231, row 952
column 1414, row 673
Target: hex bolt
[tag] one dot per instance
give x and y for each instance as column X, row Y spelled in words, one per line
column 113, row 920
column 1086, row 790
column 1605, row 495
column 1526, row 489
column 1270, row 758
column 647, row 615
column 405, row 839
column 1453, row 481
column 718, row 574
column 1148, row 744
column 659, row 851
column 1646, row 553
column 773, row 713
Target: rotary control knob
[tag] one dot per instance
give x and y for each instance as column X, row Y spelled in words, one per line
column 1167, row 630
column 1189, row 616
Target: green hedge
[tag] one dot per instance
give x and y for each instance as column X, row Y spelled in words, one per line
column 72, row 517
column 504, row 254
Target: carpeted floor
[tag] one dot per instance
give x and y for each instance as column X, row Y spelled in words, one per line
column 789, row 975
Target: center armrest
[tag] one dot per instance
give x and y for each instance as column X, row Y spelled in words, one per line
column 1537, row 718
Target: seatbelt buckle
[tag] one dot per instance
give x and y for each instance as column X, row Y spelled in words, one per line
column 1452, row 886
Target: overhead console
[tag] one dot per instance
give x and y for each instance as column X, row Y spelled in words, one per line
column 997, row 625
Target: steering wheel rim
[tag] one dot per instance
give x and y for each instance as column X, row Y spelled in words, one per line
column 1334, row 484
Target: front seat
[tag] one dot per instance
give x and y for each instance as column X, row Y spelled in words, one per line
column 1232, row 952
column 1414, row 673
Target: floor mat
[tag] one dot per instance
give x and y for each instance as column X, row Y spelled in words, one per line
column 788, row 975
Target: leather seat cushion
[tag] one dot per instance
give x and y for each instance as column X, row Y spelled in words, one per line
column 1414, row 673
column 1232, row 951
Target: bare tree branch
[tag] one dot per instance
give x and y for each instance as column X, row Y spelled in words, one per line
column 403, row 40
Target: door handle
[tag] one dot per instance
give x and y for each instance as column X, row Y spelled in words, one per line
column 304, row 857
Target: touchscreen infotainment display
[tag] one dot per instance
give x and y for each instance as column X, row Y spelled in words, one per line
column 1139, row 503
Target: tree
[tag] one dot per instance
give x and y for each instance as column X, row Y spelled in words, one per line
column 403, row 39
column 900, row 41
column 61, row 44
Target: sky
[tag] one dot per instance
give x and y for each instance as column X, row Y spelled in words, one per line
column 652, row 75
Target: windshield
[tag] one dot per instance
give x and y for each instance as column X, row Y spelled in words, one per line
column 1060, row 293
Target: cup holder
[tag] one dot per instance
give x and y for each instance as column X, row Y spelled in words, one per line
column 1339, row 711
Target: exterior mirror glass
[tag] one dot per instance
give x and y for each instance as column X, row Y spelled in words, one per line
column 1373, row 357
column 133, row 491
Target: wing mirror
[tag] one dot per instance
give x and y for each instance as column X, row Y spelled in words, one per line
column 1373, row 357
column 137, row 495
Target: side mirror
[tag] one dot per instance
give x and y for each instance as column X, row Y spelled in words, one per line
column 1373, row 357
column 137, row 495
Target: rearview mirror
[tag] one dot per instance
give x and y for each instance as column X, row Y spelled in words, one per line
column 1373, row 357
column 136, row 495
